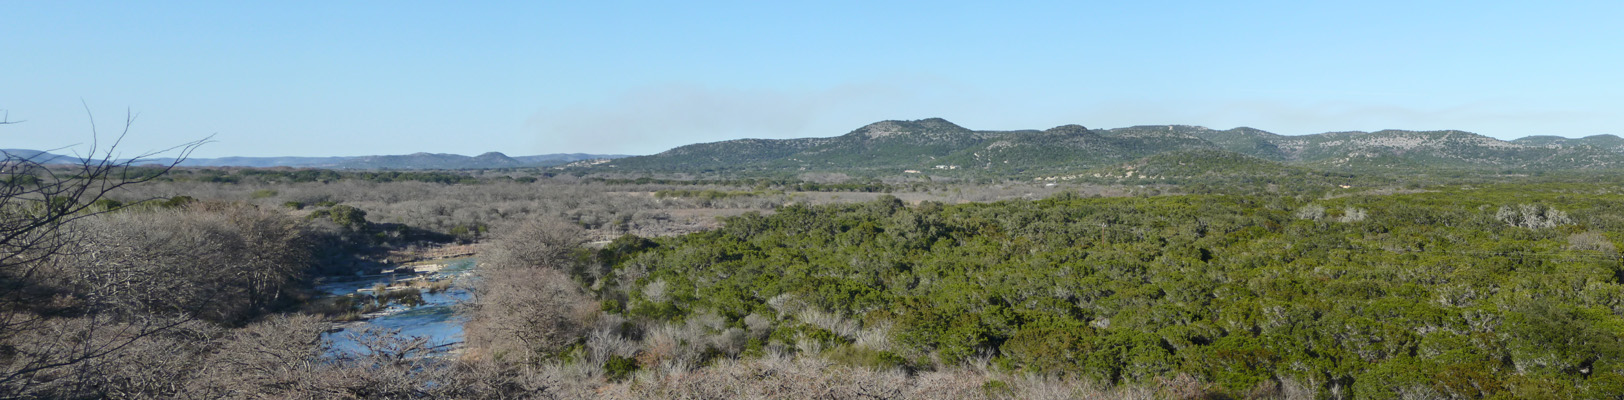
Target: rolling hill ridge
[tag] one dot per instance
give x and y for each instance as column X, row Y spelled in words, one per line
column 408, row 161
column 934, row 145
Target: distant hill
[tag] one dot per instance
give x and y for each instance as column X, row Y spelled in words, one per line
column 38, row 156
column 409, row 161
column 938, row 146
column 257, row 161
column 430, row 161
column 928, row 144
column 1608, row 142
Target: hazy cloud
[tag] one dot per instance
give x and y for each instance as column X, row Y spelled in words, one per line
column 1505, row 121
column 654, row 119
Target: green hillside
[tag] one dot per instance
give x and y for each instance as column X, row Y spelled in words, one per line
column 937, row 147
column 1605, row 142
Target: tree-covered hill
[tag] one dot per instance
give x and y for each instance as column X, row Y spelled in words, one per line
column 938, row 147
column 1196, row 165
column 1607, row 142
column 1243, row 140
column 741, row 153
column 1439, row 149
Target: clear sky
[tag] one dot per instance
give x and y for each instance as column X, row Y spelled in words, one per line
column 357, row 78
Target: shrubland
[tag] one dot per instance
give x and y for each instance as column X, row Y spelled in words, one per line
column 1462, row 292
column 602, row 288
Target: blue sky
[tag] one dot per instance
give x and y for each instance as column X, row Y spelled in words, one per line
column 358, row 78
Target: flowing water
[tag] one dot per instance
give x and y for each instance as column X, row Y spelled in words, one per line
column 435, row 320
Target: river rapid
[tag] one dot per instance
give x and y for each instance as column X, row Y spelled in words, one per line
column 435, row 320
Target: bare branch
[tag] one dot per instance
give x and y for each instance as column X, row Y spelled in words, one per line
column 39, row 196
column 6, row 120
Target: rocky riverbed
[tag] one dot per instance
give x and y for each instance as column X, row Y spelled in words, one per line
column 441, row 287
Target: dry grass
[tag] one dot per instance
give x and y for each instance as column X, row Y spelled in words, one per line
column 784, row 377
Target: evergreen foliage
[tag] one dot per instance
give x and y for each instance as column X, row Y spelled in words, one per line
column 1453, row 292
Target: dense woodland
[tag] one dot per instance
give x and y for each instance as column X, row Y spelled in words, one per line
column 1231, row 280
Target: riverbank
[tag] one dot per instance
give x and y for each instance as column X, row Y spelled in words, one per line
column 414, row 255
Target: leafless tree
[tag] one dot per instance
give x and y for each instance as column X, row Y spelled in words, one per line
column 38, row 198
column 222, row 263
column 527, row 306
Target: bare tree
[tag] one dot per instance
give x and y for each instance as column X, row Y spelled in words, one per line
column 527, row 306
column 224, row 263
column 38, row 197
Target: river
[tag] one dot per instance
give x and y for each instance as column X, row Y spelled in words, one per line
column 435, row 319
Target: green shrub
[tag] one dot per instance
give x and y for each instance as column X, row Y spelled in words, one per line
column 618, row 368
